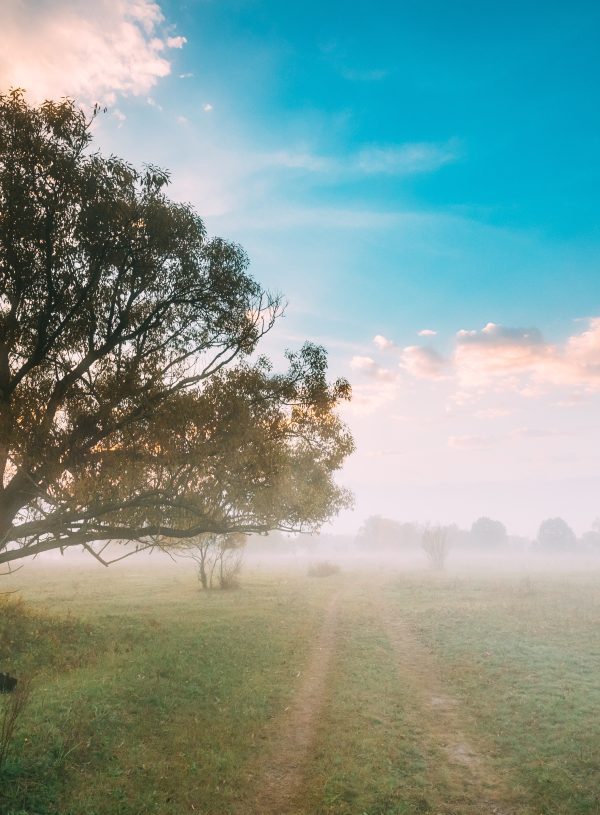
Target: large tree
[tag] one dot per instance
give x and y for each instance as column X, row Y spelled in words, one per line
column 132, row 405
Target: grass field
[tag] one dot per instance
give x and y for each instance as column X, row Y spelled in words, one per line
column 382, row 694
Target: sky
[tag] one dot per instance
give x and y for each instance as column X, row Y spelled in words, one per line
column 419, row 179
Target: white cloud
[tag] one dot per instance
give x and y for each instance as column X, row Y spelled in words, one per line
column 427, row 332
column 92, row 51
column 207, row 107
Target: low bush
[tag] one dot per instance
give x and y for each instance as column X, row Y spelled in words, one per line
column 324, row 568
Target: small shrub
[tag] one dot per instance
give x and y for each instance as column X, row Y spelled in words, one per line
column 324, row 568
column 218, row 558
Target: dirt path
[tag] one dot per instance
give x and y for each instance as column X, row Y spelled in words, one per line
column 280, row 774
column 475, row 788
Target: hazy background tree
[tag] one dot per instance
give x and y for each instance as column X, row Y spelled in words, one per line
column 555, row 534
column 383, row 533
column 130, row 407
column 434, row 541
column 457, row 538
column 590, row 540
column 487, row 533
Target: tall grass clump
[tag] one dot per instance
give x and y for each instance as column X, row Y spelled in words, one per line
column 12, row 706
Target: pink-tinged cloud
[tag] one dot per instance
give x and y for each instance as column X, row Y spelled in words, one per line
column 520, row 359
column 427, row 332
column 497, row 352
column 93, row 51
column 582, row 352
column 383, row 343
column 510, row 359
column 468, row 442
column 423, row 362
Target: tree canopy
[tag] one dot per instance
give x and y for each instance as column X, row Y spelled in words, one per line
column 555, row 534
column 486, row 532
column 132, row 404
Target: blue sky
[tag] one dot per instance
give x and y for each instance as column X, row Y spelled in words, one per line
column 392, row 168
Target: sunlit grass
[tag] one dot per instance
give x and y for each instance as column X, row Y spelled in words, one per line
column 169, row 706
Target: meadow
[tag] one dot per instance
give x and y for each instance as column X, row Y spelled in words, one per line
column 381, row 693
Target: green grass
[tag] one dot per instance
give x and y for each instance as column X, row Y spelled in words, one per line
column 524, row 656
column 161, row 713
column 151, row 697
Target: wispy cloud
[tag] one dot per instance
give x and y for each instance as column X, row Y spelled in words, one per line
column 469, row 442
column 93, row 51
column 474, row 442
column 368, row 366
column 371, row 160
column 423, row 362
column 492, row 413
column 404, row 159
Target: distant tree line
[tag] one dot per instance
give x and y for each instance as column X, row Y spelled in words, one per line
column 387, row 537
column 485, row 534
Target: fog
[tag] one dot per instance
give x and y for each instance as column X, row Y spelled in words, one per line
column 383, row 543
column 299, row 553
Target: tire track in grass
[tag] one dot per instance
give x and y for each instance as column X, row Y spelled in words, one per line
column 474, row 786
column 280, row 773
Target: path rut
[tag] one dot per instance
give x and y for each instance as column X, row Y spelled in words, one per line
column 281, row 772
column 475, row 787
